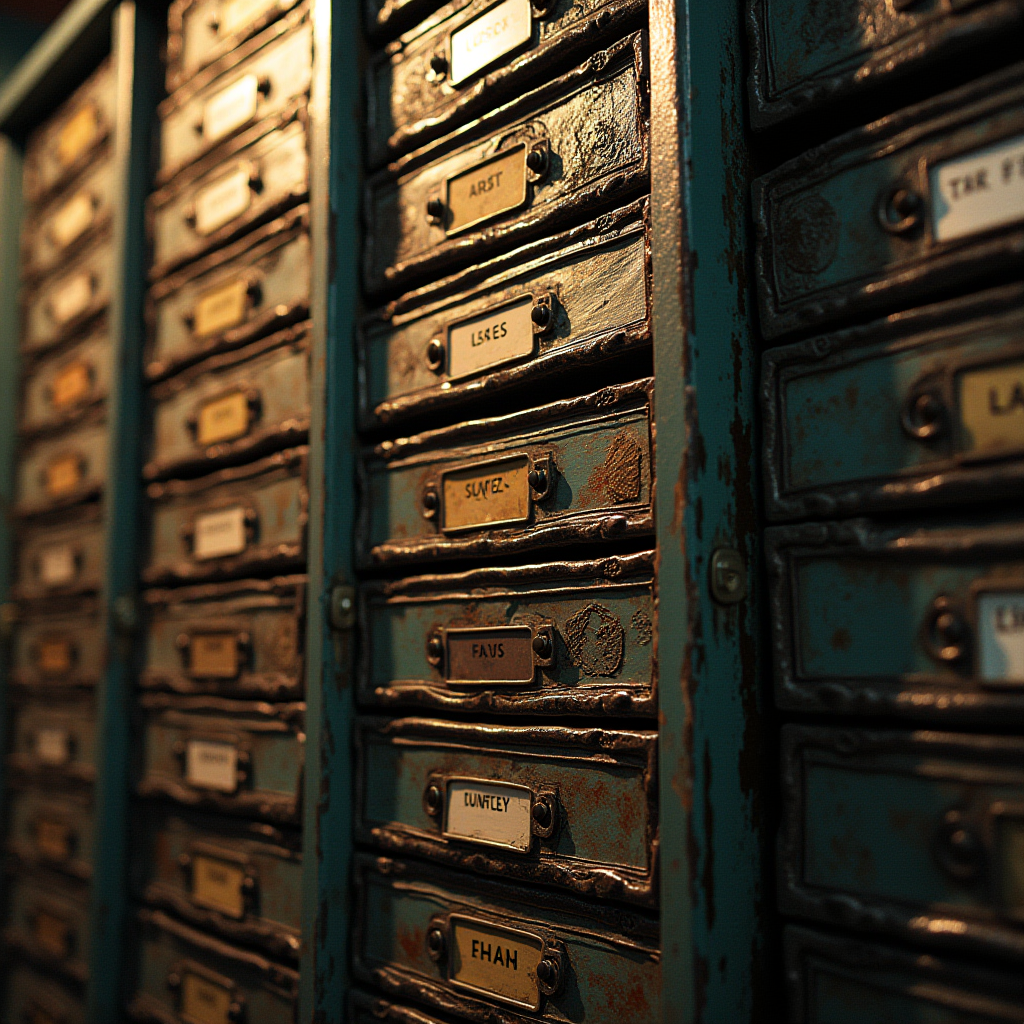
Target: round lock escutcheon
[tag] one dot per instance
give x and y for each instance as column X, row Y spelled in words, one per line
column 900, row 210
column 947, row 634
column 958, row 848
column 923, row 416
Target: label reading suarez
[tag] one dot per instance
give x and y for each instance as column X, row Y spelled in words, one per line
column 491, row 339
column 501, row 654
column 498, row 31
column 497, row 962
column 489, row 813
column 487, row 494
column 487, row 190
column 991, row 402
column 1001, row 637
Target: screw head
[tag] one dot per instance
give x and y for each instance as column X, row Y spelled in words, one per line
column 537, row 160
column 432, row 798
column 541, row 314
column 435, row 208
column 542, row 814
column 542, row 645
column 435, row 354
column 430, row 502
column 435, row 647
column 538, row 480
column 439, row 63
column 548, row 975
column 435, row 943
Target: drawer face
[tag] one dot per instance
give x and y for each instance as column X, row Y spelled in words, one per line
column 834, row 980
column 275, row 69
column 604, row 961
column 51, row 829
column 31, row 996
column 365, row 1008
column 573, row 301
column 48, row 922
column 239, row 639
column 188, row 976
column 556, row 154
column 53, row 741
column 65, row 143
column 530, row 803
column 887, row 831
column 230, row 522
column 593, row 621
column 62, row 559
column 59, row 387
column 923, row 622
column 467, row 489
column 467, row 60
column 251, row 288
column 234, row 406
column 63, row 470
column 247, row 762
column 59, row 650
column 239, row 879
column 893, row 213
column 259, row 182
column 925, row 412
column 804, row 58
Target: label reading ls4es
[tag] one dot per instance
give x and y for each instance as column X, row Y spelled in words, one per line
column 1001, row 637
column 498, row 31
column 212, row 764
column 219, row 533
column 73, row 219
column 978, row 192
column 497, row 962
column 218, row 885
column 204, row 1001
column 230, row 108
column 489, row 813
column 223, row 201
column 493, row 187
column 487, row 494
column 491, row 339
column 57, row 565
column 991, row 402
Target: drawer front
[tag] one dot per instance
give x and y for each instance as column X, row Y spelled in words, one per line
column 234, row 406
column 925, row 409
column 835, row 980
column 35, row 998
column 58, row 388
column 365, row 1008
column 564, row 304
column 592, row 621
column 468, row 60
column 53, row 741
column 230, row 522
column 251, row 288
column 62, row 559
column 185, row 975
column 916, row 835
column 921, row 622
column 927, row 199
column 240, row 880
column 428, row 932
column 258, row 183
column 234, row 639
column 65, row 143
column 63, row 470
column 556, row 154
column 62, row 650
column 574, row 471
column 48, row 922
column 274, row 71
column 529, row 803
column 233, row 757
column 804, row 58
column 51, row 829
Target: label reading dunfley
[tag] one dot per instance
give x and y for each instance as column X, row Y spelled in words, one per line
column 204, row 1002
column 491, row 339
column 73, row 219
column 212, row 765
column 234, row 14
column 217, row 885
column 496, row 32
column 219, row 533
column 57, row 565
column 223, row 201
column 978, row 192
column 72, row 298
column 487, row 494
column 1001, row 637
column 220, row 308
column 230, row 108
column 487, row 190
column 53, row 746
column 489, row 813
column 497, row 962
column 991, row 402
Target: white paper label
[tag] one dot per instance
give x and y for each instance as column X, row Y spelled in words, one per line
column 495, row 33
column 57, row 565
column 1001, row 637
column 212, row 765
column 230, row 108
column 53, row 746
column 234, row 14
column 72, row 298
column 72, row 220
column 490, row 814
column 222, row 201
column 491, row 339
column 978, row 192
column 219, row 533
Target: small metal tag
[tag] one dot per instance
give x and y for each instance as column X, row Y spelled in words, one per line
column 223, row 201
column 489, row 813
column 64, row 475
column 79, row 134
column 491, row 188
column 484, row 657
column 203, row 1002
column 1000, row 627
column 72, row 220
column 220, row 308
column 72, row 298
column 218, row 885
column 53, row 746
column 212, row 764
column 53, row 933
column 53, row 839
column 500, row 30
column 487, row 494
column 71, row 385
column 57, row 565
column 491, row 339
column 497, row 962
column 230, row 108
column 223, row 419
column 54, row 656
column 213, row 655
column 219, row 533
column 991, row 403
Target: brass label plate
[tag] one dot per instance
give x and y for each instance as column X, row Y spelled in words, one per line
column 230, row 108
column 489, row 813
column 64, row 475
column 991, row 403
column 487, row 494
column 53, row 746
column 72, row 220
column 219, row 533
column 218, row 309
column 236, row 14
column 491, row 339
column 203, row 1002
column 211, row 764
column 80, row 133
column 53, row 933
column 1000, row 617
column 483, row 657
column 72, row 298
column 71, row 385
column 223, row 201
column 57, row 565
column 497, row 31
column 213, row 655
column 500, row 963
column 218, row 885
column 54, row 656
column 223, row 419
column 491, row 188
column 53, row 839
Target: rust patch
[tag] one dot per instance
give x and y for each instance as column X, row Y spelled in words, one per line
column 622, row 467
column 597, row 647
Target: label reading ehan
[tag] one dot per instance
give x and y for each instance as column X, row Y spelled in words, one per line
column 220, row 533
column 1001, row 637
column 488, row 494
column 230, row 108
column 497, row 962
column 502, row 29
column 489, row 813
column 211, row 764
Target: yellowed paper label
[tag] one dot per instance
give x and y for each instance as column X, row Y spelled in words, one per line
column 81, row 132
column 54, row 655
column 203, row 1002
column 221, row 308
column 64, row 475
column 72, row 298
column 53, row 933
column 217, row 885
column 496, row 962
column 211, row 764
column 491, row 339
column 219, row 533
column 491, row 188
column 490, row 813
column 992, row 408
column 73, row 219
column 223, row 419
column 213, row 655
column 53, row 839
column 498, row 31
column 71, row 385
column 230, row 108
column 57, row 565
column 53, row 746
column 488, row 494
column 223, row 201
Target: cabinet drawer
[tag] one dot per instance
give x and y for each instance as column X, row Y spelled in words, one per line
column 427, row 932
column 63, row 470
column 259, row 182
column 916, row 835
column 836, row 980
column 53, row 741
column 63, row 648
column 232, row 407
column 528, row 803
column 924, row 408
column 550, row 309
column 186, row 975
column 241, row 639
column 51, row 829
column 230, row 756
column 233, row 296
column 230, row 522
column 241, row 880
column 921, row 621
column 592, row 621
column 35, row 998
column 555, row 155
column 364, row 1008
column 61, row 558
column 927, row 200
column 574, row 471
column 472, row 56
column 238, row 98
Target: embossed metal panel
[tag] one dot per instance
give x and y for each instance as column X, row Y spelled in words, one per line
column 574, row 300
column 552, row 156
column 911, row 834
column 574, row 471
column 60, row 558
column 60, row 648
column 50, row 740
column 929, row 198
column 240, row 639
column 32, row 995
column 50, row 829
column 62, row 470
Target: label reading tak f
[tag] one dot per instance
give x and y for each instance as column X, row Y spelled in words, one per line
column 487, row 190
column 491, row 339
column 492, row 814
column 484, row 657
column 487, row 494
column 212, row 764
column 494, row 33
column 991, row 402
column 230, row 108
column 223, row 201
column 219, row 533
column 496, row 962
column 223, row 419
column 218, row 885
column 220, row 308
column 1001, row 637
column 204, row 1002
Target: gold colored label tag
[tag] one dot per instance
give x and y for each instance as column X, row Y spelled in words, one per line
column 203, row 1002
column 992, row 408
column 502, row 654
column 53, row 933
column 493, row 187
column 235, row 14
column 223, row 419
column 221, row 308
column 489, row 813
column 223, row 201
column 72, row 220
column 230, row 108
column 72, row 298
column 54, row 656
column 57, row 565
column 80, row 133
column 210, row 764
column 488, row 494
column 214, row 655
column 71, row 385
column 53, row 839
column 498, row 31
column 497, row 962
column 64, row 475
column 491, row 339
column 217, row 885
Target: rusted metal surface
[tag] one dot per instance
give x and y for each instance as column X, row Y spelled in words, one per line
column 58, row 648
column 60, row 558
column 59, row 471
column 28, row 992
column 365, row 1008
column 52, row 740
column 50, row 829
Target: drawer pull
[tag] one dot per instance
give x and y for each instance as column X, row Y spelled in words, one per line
column 958, row 848
column 924, row 416
column 946, row 632
column 901, row 210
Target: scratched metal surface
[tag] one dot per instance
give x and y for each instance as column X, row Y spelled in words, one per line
column 76, row 627
column 84, row 447
column 28, row 806
column 28, row 990
column 72, row 717
column 80, row 532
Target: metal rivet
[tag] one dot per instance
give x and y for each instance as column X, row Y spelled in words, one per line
column 435, row 354
column 537, row 160
column 728, row 576
column 439, row 63
column 432, row 798
column 548, row 975
column 541, row 314
column 435, row 208
column 435, row 943
column 430, row 503
column 542, row 645
column 542, row 814
column 538, row 480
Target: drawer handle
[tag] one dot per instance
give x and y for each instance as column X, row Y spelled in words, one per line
column 924, row 416
column 947, row 636
column 900, row 210
column 958, row 848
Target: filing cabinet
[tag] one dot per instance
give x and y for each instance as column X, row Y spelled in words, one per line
column 52, row 741
column 51, row 829
column 59, row 471
column 59, row 558
column 62, row 648
column 33, row 996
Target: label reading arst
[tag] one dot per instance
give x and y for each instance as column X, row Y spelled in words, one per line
column 991, row 402
column 1001, row 637
column 492, row 187
column 79, row 134
column 487, row 494
column 204, row 1001
column 494, row 33
column 236, row 14
column 71, row 385
column 53, row 839
column 978, row 192
column 72, row 220
column 496, row 962
column 212, row 764
column 213, row 655
column 501, row 654
column 223, row 419
column 218, row 885
column 219, row 533
column 491, row 339
column 489, row 813
column 57, row 565
column 53, row 746
column 54, row 655
column 64, row 475
column 230, row 108
column 72, row 298
column 223, row 201
column 220, row 308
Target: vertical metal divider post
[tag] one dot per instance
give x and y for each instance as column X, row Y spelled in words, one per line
column 711, row 752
